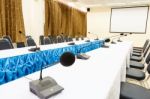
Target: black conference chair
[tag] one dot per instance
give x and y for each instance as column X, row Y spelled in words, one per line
column 47, row 41
column 138, row 74
column 139, row 59
column 41, row 40
column 30, row 42
column 20, row 44
column 139, row 52
column 139, row 65
column 141, row 48
column 77, row 39
column 132, row 91
column 66, row 39
column 82, row 38
column 70, row 39
column 54, row 39
column 9, row 39
column 5, row 44
column 59, row 39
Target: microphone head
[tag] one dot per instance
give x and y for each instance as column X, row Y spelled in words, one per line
column 107, row 40
column 121, row 34
column 67, row 59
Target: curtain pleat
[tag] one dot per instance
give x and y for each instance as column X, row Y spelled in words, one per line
column 60, row 18
column 11, row 20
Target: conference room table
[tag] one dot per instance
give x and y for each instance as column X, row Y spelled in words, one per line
column 98, row 77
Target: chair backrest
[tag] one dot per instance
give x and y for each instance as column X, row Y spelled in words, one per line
column 70, row 39
column 82, row 38
column 145, row 45
column 20, row 44
column 41, row 42
column 47, row 41
column 51, row 38
column 148, row 68
column 147, row 60
column 59, row 39
column 30, row 42
column 66, row 39
column 5, row 44
column 9, row 39
column 77, row 39
column 54, row 39
column 146, row 50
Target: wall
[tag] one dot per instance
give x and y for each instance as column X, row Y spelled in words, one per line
column 98, row 21
column 34, row 17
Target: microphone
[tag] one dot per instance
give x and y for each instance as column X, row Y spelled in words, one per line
column 47, row 86
column 106, row 41
column 71, row 43
column 83, row 55
column 113, row 42
column 36, row 48
column 88, row 39
column 119, row 40
column 95, row 35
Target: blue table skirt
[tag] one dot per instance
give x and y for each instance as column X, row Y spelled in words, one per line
column 15, row 67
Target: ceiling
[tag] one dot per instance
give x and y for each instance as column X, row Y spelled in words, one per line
column 84, row 4
column 89, row 3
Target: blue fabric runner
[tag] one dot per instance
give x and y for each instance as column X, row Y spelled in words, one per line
column 15, row 67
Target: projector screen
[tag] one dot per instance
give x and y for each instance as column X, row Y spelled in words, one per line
column 129, row 19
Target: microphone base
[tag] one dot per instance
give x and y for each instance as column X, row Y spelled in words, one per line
column 72, row 43
column 119, row 40
column 105, row 46
column 83, row 56
column 96, row 39
column 45, row 88
column 113, row 42
column 34, row 49
column 87, row 41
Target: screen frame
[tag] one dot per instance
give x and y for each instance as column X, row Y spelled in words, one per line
column 125, row 8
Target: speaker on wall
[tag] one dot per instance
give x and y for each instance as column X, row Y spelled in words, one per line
column 88, row 9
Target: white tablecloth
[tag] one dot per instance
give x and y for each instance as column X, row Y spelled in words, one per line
column 96, row 78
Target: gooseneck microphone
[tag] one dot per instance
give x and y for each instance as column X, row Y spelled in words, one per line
column 88, row 39
column 106, row 41
column 114, row 37
column 83, row 55
column 36, row 48
column 121, row 35
column 47, row 86
column 67, row 59
column 95, row 36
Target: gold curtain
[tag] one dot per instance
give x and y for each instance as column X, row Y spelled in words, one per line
column 60, row 18
column 11, row 20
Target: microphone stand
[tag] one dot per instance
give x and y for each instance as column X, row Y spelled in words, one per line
column 105, row 41
column 83, row 55
column 96, row 37
column 112, row 42
column 88, row 39
column 34, row 49
column 121, row 35
column 47, row 86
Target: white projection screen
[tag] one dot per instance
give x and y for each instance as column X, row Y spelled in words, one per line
column 129, row 19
